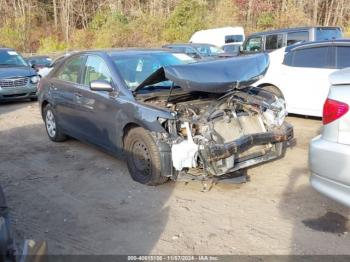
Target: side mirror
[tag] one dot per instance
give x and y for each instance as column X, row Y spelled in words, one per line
column 101, row 85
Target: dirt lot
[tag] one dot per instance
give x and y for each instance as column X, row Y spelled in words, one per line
column 83, row 201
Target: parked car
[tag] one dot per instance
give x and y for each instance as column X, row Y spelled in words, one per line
column 197, row 51
column 302, row 78
column 233, row 49
column 168, row 119
column 42, row 72
column 219, row 36
column 275, row 39
column 38, row 62
column 17, row 79
column 330, row 152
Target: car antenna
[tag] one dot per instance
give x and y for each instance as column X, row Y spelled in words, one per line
column 171, row 90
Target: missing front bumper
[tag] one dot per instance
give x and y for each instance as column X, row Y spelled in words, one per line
column 216, row 152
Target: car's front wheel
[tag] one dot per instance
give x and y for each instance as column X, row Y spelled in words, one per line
column 52, row 128
column 143, row 158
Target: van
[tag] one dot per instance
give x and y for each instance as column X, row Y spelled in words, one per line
column 219, row 36
column 275, row 39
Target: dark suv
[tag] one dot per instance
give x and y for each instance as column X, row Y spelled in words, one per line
column 272, row 40
column 17, row 79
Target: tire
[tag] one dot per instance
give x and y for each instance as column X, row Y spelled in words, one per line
column 273, row 90
column 52, row 128
column 143, row 158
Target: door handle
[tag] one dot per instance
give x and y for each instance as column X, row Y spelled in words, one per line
column 52, row 87
column 78, row 94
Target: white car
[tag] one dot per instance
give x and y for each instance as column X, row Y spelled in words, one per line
column 329, row 154
column 300, row 73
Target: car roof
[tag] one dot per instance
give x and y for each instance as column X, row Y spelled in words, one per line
column 6, row 49
column 124, row 51
column 188, row 44
column 38, row 56
column 292, row 29
column 320, row 43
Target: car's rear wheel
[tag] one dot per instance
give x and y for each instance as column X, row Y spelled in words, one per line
column 143, row 158
column 273, row 89
column 52, row 127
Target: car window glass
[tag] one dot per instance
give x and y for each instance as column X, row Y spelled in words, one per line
column 328, row 33
column 11, row 58
column 70, row 71
column 136, row 69
column 342, row 58
column 311, row 57
column 295, row 37
column 233, row 38
column 253, row 44
column 96, row 69
column 288, row 59
column 190, row 51
column 274, row 42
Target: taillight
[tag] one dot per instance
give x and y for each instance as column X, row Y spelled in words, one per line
column 333, row 110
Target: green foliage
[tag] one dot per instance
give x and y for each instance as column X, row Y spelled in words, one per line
column 188, row 17
column 265, row 21
column 106, row 18
column 51, row 44
column 13, row 34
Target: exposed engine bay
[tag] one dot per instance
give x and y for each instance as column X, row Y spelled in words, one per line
column 213, row 135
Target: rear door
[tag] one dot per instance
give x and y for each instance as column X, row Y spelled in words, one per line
column 305, row 80
column 273, row 42
column 63, row 86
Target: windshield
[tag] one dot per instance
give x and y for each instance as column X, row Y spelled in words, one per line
column 11, row 58
column 134, row 69
column 209, row 50
column 45, row 61
column 328, row 33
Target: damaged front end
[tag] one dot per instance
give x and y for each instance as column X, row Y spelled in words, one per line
column 244, row 128
column 221, row 124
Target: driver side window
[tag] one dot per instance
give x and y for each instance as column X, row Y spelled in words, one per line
column 96, row 69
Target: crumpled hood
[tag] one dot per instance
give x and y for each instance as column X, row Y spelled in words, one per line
column 218, row 76
column 12, row 72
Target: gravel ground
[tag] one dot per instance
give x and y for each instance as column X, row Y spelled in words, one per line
column 83, row 201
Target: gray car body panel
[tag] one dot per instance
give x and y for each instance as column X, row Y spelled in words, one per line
column 105, row 115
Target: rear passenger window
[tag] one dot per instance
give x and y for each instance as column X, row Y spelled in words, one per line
column 274, row 42
column 342, row 57
column 70, row 71
column 311, row 57
column 295, row 37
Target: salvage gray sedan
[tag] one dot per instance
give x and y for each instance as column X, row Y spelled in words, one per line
column 168, row 119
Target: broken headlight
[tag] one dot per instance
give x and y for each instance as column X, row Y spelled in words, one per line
column 275, row 115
